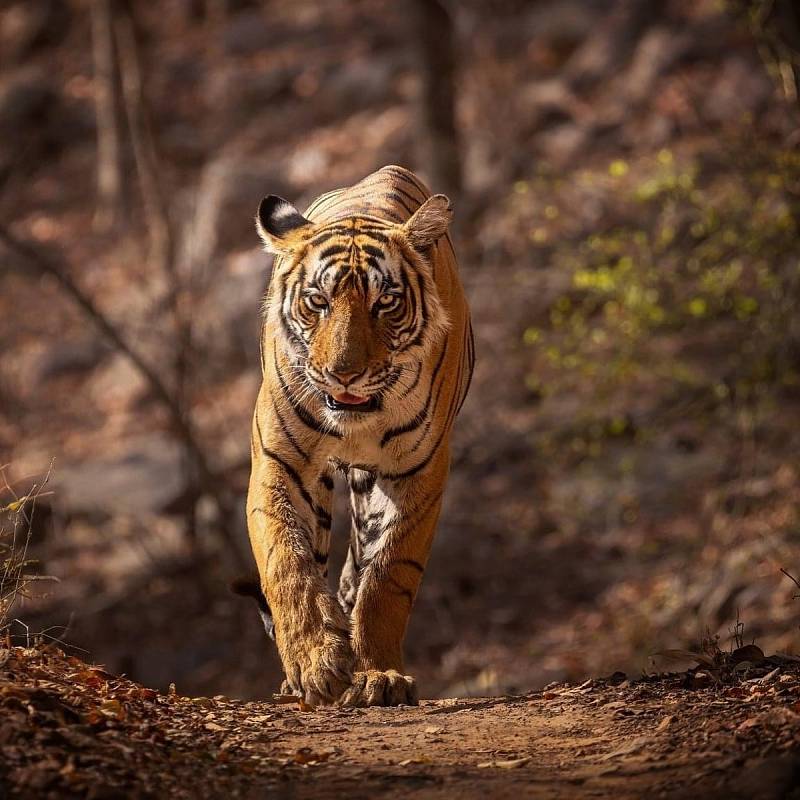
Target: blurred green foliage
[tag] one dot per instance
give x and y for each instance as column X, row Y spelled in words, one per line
column 696, row 299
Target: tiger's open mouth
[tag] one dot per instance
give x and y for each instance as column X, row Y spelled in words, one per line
column 350, row 402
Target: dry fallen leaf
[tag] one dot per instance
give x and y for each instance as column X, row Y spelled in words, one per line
column 92, row 677
column 285, row 699
column 770, row 676
column 748, row 724
column 141, row 693
column 254, row 719
column 686, row 655
column 629, row 747
column 512, row 763
column 415, row 760
column 113, row 709
column 701, row 680
column 665, row 722
column 305, row 755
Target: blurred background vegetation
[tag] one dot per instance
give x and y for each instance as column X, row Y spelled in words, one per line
column 626, row 176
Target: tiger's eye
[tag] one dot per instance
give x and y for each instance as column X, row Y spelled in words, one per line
column 317, row 302
column 387, row 301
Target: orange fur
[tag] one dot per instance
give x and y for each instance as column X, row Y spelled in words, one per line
column 365, row 284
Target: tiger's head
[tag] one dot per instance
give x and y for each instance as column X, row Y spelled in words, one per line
column 355, row 300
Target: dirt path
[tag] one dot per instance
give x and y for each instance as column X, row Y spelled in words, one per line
column 70, row 730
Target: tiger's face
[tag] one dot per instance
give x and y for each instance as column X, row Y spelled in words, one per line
column 356, row 301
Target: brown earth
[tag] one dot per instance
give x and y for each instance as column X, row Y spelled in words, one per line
column 729, row 730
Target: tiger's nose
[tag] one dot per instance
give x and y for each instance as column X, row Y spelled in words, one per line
column 344, row 376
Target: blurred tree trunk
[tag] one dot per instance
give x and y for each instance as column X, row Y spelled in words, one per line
column 776, row 27
column 612, row 43
column 163, row 252
column 109, row 152
column 435, row 37
column 144, row 151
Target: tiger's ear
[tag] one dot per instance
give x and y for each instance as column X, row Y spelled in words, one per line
column 429, row 222
column 280, row 225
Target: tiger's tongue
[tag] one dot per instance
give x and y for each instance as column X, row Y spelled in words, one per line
column 349, row 399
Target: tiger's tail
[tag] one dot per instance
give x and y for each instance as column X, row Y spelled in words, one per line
column 249, row 586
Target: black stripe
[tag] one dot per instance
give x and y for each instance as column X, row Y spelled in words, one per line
column 321, row 238
column 363, row 484
column 419, row 513
column 288, row 331
column 415, row 382
column 400, row 589
column 365, row 280
column 417, row 420
column 345, row 197
column 373, row 251
column 471, row 357
column 410, row 197
column 374, row 234
column 407, row 427
column 268, row 514
column 400, row 201
column 409, row 178
column 261, row 349
column 372, row 532
column 400, row 476
column 331, row 229
column 375, row 264
column 321, row 199
column 423, row 314
column 288, row 468
column 432, row 415
column 323, row 517
column 407, row 562
column 286, row 432
column 302, row 413
column 334, row 250
column 393, row 215
column 452, row 249
column 327, row 482
column 329, row 627
column 411, row 315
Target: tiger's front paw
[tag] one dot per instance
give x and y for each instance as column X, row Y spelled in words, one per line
column 323, row 674
column 329, row 674
column 377, row 688
column 313, row 638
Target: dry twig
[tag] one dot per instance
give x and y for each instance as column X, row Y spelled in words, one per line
column 211, row 483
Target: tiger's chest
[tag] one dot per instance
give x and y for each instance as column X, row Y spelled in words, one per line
column 365, row 449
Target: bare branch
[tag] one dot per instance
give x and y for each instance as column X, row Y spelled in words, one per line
column 109, row 166
column 792, row 579
column 144, row 150
column 211, row 483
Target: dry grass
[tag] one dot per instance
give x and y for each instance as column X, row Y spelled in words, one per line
column 16, row 525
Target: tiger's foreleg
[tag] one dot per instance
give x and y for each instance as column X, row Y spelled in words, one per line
column 394, row 540
column 289, row 521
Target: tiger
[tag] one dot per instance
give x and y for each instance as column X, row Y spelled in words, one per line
column 367, row 353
